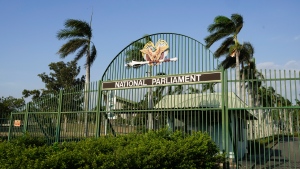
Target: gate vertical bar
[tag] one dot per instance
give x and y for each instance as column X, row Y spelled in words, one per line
column 10, row 126
column 26, row 119
column 98, row 126
column 57, row 137
column 223, row 111
column 225, row 124
column 150, row 103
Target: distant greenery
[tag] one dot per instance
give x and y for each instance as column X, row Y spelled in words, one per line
column 62, row 76
column 10, row 104
column 151, row 150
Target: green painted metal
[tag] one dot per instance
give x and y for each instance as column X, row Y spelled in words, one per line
column 57, row 137
column 25, row 124
column 98, row 114
column 256, row 128
column 10, row 124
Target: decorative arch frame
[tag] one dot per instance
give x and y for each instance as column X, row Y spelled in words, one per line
column 192, row 57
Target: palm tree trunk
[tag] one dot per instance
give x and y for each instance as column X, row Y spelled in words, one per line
column 237, row 75
column 86, row 100
column 251, row 96
column 243, row 93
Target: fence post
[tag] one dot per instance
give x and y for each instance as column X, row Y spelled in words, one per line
column 98, row 113
column 57, row 137
column 10, row 126
column 26, row 118
column 225, row 121
column 223, row 113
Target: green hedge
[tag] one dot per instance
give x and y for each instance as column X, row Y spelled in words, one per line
column 150, row 150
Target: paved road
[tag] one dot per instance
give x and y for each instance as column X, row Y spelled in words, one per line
column 285, row 154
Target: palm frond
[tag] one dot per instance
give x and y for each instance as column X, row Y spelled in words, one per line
column 248, row 47
column 224, row 47
column 238, row 21
column 134, row 52
column 246, row 52
column 75, row 29
column 212, row 38
column 71, row 46
column 223, row 27
column 219, row 23
column 81, row 26
column 93, row 55
column 208, row 87
column 67, row 33
column 228, row 62
column 139, row 45
column 81, row 53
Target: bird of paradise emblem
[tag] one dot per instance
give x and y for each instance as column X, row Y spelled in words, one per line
column 154, row 55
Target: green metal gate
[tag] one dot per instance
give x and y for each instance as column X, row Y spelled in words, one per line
column 254, row 120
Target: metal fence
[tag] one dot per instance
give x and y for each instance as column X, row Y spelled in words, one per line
column 259, row 128
column 254, row 119
column 4, row 126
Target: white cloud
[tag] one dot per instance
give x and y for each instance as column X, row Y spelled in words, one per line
column 297, row 37
column 290, row 65
column 268, row 65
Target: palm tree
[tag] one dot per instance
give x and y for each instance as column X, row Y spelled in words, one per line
column 252, row 79
column 134, row 53
column 227, row 27
column 176, row 90
column 208, row 87
column 79, row 35
column 245, row 57
column 192, row 90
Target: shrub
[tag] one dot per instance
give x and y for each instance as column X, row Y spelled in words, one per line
column 27, row 141
column 160, row 149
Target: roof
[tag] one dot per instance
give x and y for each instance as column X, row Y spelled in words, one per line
column 213, row 100
column 121, row 99
column 206, row 100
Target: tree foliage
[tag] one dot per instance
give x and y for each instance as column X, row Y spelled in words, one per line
column 10, row 104
column 62, row 76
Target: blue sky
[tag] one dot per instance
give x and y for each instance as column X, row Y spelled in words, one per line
column 28, row 32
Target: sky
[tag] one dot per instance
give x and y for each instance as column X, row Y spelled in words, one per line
column 28, row 42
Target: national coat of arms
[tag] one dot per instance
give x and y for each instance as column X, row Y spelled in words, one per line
column 154, row 55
